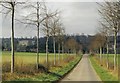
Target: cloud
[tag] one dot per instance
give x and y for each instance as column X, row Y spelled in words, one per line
column 77, row 17
column 81, row 17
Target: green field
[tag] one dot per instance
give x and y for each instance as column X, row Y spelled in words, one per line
column 110, row 58
column 28, row 58
column 25, row 66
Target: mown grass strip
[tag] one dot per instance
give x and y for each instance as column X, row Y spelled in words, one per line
column 103, row 73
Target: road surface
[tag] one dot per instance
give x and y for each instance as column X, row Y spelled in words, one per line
column 83, row 71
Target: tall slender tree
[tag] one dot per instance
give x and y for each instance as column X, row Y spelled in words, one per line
column 11, row 7
column 35, row 18
column 99, row 42
column 59, row 39
column 46, row 29
column 63, row 40
column 53, row 32
column 105, row 30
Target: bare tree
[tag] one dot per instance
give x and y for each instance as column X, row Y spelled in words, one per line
column 93, row 46
column 63, row 40
column 60, row 32
column 11, row 7
column 99, row 42
column 72, row 45
column 46, row 28
column 35, row 18
column 110, row 12
column 47, row 36
column 53, row 32
column 105, row 30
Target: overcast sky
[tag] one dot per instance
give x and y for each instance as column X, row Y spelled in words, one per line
column 77, row 17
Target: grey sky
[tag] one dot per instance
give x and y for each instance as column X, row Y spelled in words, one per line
column 77, row 17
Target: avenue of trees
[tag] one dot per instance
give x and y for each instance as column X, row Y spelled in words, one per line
column 40, row 19
column 36, row 20
column 109, row 25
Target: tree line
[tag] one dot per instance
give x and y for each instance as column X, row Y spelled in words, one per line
column 30, row 44
column 109, row 25
column 86, row 43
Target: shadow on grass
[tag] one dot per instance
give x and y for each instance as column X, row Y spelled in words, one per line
column 44, row 69
column 48, row 76
column 47, row 72
column 41, row 68
column 55, row 74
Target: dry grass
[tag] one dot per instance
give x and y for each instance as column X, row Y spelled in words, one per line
column 25, row 64
column 104, row 65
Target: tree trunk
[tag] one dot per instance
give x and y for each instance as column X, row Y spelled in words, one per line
column 101, row 55
column 68, row 51
column 47, row 52
column 107, row 62
column 59, row 53
column 37, row 48
column 115, row 63
column 62, row 50
column 37, row 35
column 12, row 42
column 54, row 50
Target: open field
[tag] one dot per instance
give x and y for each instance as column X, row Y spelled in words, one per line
column 25, row 58
column 25, row 66
column 28, row 58
column 110, row 57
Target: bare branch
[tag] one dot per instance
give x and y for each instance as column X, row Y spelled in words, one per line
column 29, row 23
column 6, row 6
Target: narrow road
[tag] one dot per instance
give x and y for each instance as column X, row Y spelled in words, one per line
column 83, row 71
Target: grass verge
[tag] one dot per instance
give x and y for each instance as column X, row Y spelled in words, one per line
column 103, row 73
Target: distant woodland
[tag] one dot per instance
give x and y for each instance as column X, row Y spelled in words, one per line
column 84, row 44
